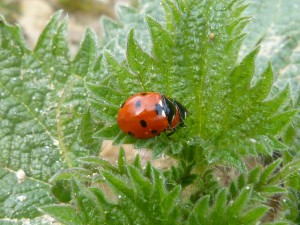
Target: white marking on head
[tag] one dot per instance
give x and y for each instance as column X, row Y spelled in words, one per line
column 160, row 103
column 163, row 113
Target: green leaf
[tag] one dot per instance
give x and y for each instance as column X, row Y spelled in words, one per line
column 184, row 58
column 28, row 133
column 218, row 212
column 241, row 181
column 122, row 161
column 278, row 223
column 63, row 213
column 62, row 190
column 170, row 200
column 96, row 161
column 90, row 210
column 269, row 170
column 290, row 206
column 239, row 203
column 137, row 162
column 142, row 185
column 200, row 210
column 233, row 190
column 84, row 61
column 119, row 184
column 42, row 102
column 87, row 127
column 158, row 184
column 264, row 83
column 172, row 14
column 69, row 174
column 253, row 215
column 20, row 198
column 253, row 175
column 54, row 110
column 162, row 40
column 115, row 32
column 273, row 189
column 228, row 210
column 279, row 38
column 288, row 170
column 141, row 198
column 113, row 214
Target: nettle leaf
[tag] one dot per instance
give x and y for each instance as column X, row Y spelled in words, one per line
column 115, row 32
column 144, row 200
column 87, row 203
column 139, row 194
column 279, row 39
column 41, row 104
column 278, row 36
column 55, row 109
column 238, row 210
column 136, row 195
column 290, row 205
column 231, row 112
column 267, row 181
column 64, row 213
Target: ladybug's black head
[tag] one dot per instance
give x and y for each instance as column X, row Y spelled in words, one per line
column 169, row 108
column 182, row 110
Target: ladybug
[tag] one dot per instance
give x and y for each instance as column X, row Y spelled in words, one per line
column 147, row 114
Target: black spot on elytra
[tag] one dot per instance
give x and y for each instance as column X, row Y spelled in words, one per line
column 143, row 123
column 158, row 109
column 144, row 93
column 138, row 104
column 154, row 132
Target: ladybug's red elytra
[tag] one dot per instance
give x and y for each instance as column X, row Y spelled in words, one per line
column 147, row 114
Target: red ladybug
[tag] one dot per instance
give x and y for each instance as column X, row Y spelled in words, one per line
column 147, row 114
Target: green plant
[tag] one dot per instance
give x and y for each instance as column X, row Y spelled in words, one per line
column 58, row 110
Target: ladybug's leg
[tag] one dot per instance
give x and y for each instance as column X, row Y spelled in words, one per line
column 181, row 124
column 172, row 132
